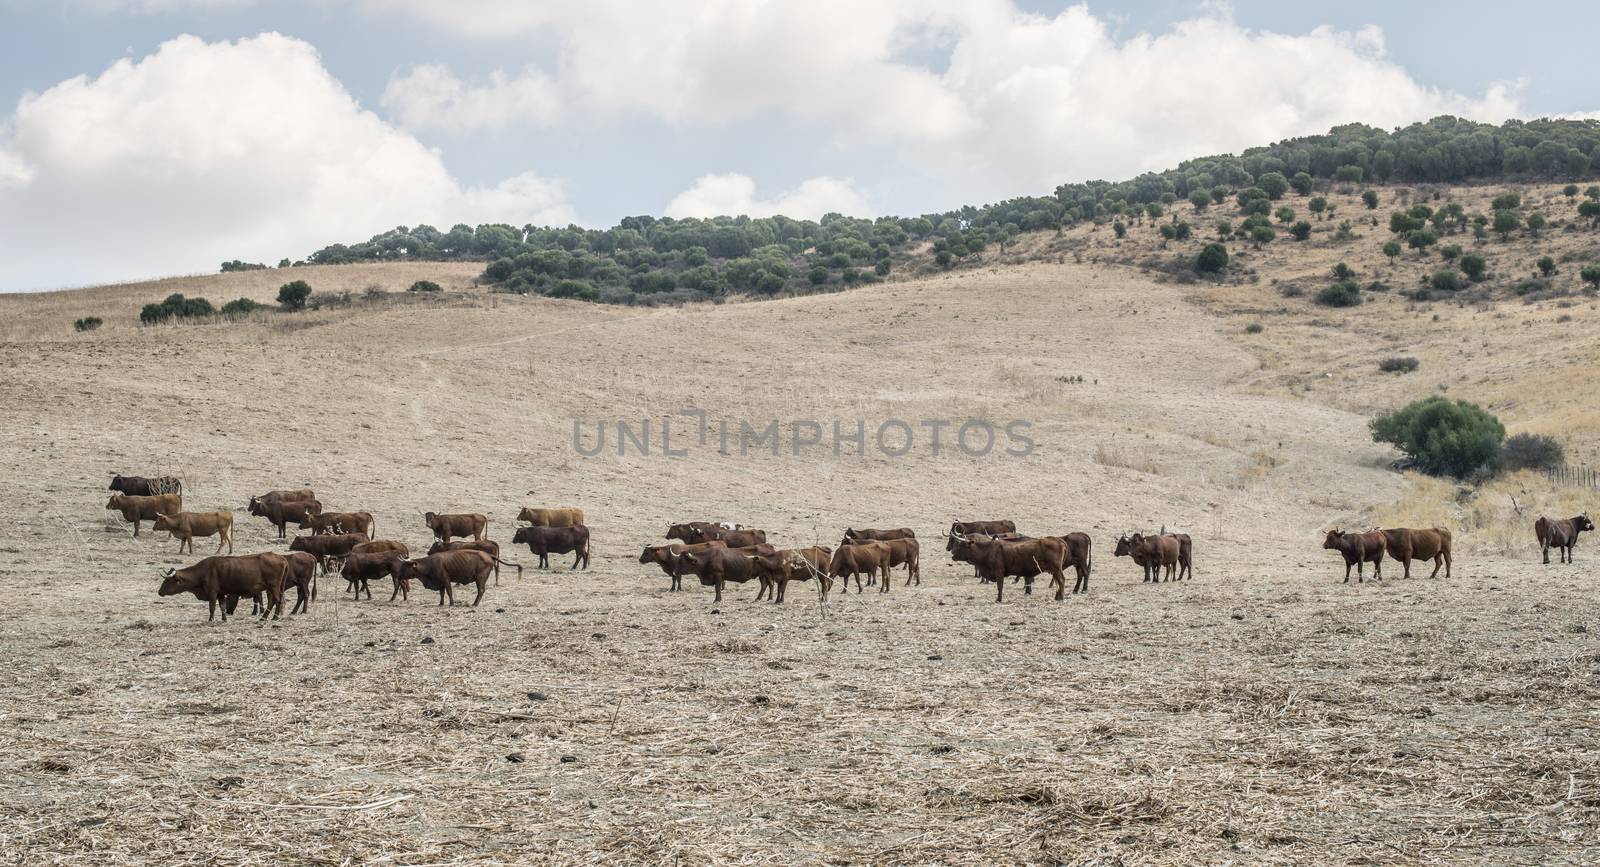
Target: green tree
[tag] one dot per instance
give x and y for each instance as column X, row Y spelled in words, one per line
column 1421, row 239
column 1546, row 266
column 1446, row 280
column 1506, row 222
column 1591, row 275
column 1442, row 437
column 1274, row 184
column 1570, row 191
column 1370, row 199
column 1300, row 230
column 1342, row 271
column 1119, row 229
column 1262, row 235
column 293, row 295
column 1391, row 249
column 1285, row 214
column 1344, row 293
column 1475, row 267
column 1301, row 183
column 1450, row 252
column 1200, row 199
column 1212, row 259
column 1591, row 211
column 1318, row 205
column 1506, row 202
column 1535, row 223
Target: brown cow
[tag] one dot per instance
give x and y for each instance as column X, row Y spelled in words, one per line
column 1558, row 533
column 961, row 547
column 1154, row 554
column 1406, row 545
column 717, row 566
column 853, row 535
column 997, row 559
column 135, row 508
column 734, row 538
column 1358, row 549
column 780, row 567
column 340, row 522
column 445, row 569
column 1080, row 556
column 300, row 572
column 361, row 568
column 666, row 556
column 288, row 496
column 545, row 541
column 215, row 578
column 487, row 546
column 139, row 486
column 280, row 512
column 849, row 561
column 567, row 516
column 445, row 527
column 378, row 546
column 987, row 528
column 186, row 525
column 325, row 548
column 907, row 553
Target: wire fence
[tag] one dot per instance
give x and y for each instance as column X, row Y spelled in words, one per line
column 1584, row 477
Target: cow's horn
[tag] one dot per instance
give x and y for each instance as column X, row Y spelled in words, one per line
column 169, row 573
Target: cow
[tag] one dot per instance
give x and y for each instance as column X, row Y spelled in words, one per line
column 1406, row 545
column 218, row 577
column 445, row 569
column 997, row 559
column 853, row 535
column 688, row 532
column 359, row 569
column 717, row 566
column 487, row 546
column 1154, row 554
column 186, row 525
column 734, row 538
column 563, row 517
column 135, row 508
column 300, row 572
column 139, row 486
column 325, row 548
column 281, row 512
column 446, row 527
column 377, row 546
column 907, row 553
column 1558, row 533
column 321, row 523
column 1080, row 557
column 290, row 495
column 667, row 557
column 545, row 541
column 987, row 528
column 849, row 561
column 1358, row 549
column 961, row 546
column 780, row 567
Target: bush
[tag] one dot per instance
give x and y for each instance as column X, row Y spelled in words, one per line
column 241, row 307
column 1531, row 452
column 1591, row 275
column 1370, row 199
column 1546, row 266
column 1446, row 280
column 237, row 265
column 1254, row 328
column 1300, row 230
column 1262, row 235
column 818, row 275
column 293, row 295
column 424, row 286
column 882, row 268
column 1212, row 258
column 88, row 323
column 578, row 289
column 175, row 307
column 1342, row 271
column 1391, row 249
column 1399, row 364
column 1450, row 252
column 1119, row 229
column 1474, row 266
column 1344, row 293
column 1442, row 437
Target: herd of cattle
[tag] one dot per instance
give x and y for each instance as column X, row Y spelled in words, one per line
column 716, row 553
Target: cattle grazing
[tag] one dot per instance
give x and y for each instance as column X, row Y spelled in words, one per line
column 667, row 557
column 288, row 496
column 340, row 522
column 135, row 509
column 780, row 567
column 850, row 561
column 961, row 546
column 563, row 517
column 325, row 548
column 359, row 569
column 139, row 486
column 717, row 566
column 907, row 553
column 487, row 546
column 1406, row 545
column 216, row 578
column 998, row 559
column 1358, row 549
column 853, row 535
column 378, row 546
column 545, row 541
column 186, row 525
column 1558, row 533
column 695, row 532
column 1155, row 555
column 987, row 528
column 1080, row 557
column 446, row 527
column 445, row 569
column 280, row 513
column 300, row 572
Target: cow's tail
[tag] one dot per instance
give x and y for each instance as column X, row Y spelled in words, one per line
column 372, row 529
column 512, row 564
column 1088, row 557
column 313, row 585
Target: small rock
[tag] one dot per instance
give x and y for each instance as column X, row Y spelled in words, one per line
column 427, row 639
column 942, row 749
column 935, row 657
column 499, row 611
column 716, row 611
column 599, row 636
column 569, row 759
column 1236, row 616
column 537, row 696
column 760, row 699
column 516, row 758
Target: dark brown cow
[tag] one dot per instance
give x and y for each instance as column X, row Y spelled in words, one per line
column 853, row 535
column 567, row 516
column 281, row 512
column 139, row 486
column 733, row 538
column 135, row 509
column 1154, row 554
column 997, row 559
column 695, row 532
column 300, row 572
column 287, row 496
column 849, row 561
column 216, row 578
column 780, row 567
column 184, row 526
column 340, row 522
column 325, row 548
column 1406, row 545
column 1358, row 549
column 961, row 547
column 545, row 541
column 1080, row 556
column 361, row 568
column 1558, row 533
column 907, row 553
column 446, row 527
column 378, row 546
column 445, row 569
column 487, row 546
column 987, row 528
column 667, row 557
column 717, row 566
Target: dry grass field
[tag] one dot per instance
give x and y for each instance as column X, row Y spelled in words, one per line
column 1263, row 712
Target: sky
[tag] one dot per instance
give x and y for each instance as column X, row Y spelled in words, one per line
column 143, row 138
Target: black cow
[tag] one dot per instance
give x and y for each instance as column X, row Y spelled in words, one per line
column 545, row 541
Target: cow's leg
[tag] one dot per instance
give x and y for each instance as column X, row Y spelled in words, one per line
column 1059, row 579
column 1377, row 568
column 1446, row 555
column 497, row 572
column 1000, row 588
column 483, row 584
column 719, row 589
column 135, row 528
column 1347, row 565
column 1406, row 564
column 783, row 584
column 213, row 613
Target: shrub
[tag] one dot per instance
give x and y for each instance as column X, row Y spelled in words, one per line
column 1224, row 229
column 818, row 275
column 1474, row 266
column 1446, row 280
column 1546, row 266
column 1119, row 229
column 1570, row 190
column 1421, row 239
column 1254, row 328
column 1450, row 252
column 1300, row 230
column 1442, row 437
column 1200, row 199
column 424, row 286
column 241, row 307
column 1506, row 202
column 579, row 289
column 1531, row 452
column 1591, row 275
column 293, row 295
column 237, row 265
column 88, row 323
column 175, row 307
column 1399, row 364
column 1344, row 293
column 1342, row 271
column 882, row 268
column 1370, row 199
column 1262, row 234
column 1391, row 249
column 1213, row 258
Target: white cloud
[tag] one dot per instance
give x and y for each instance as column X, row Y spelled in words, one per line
column 203, row 152
column 431, row 96
column 735, row 194
column 151, row 7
